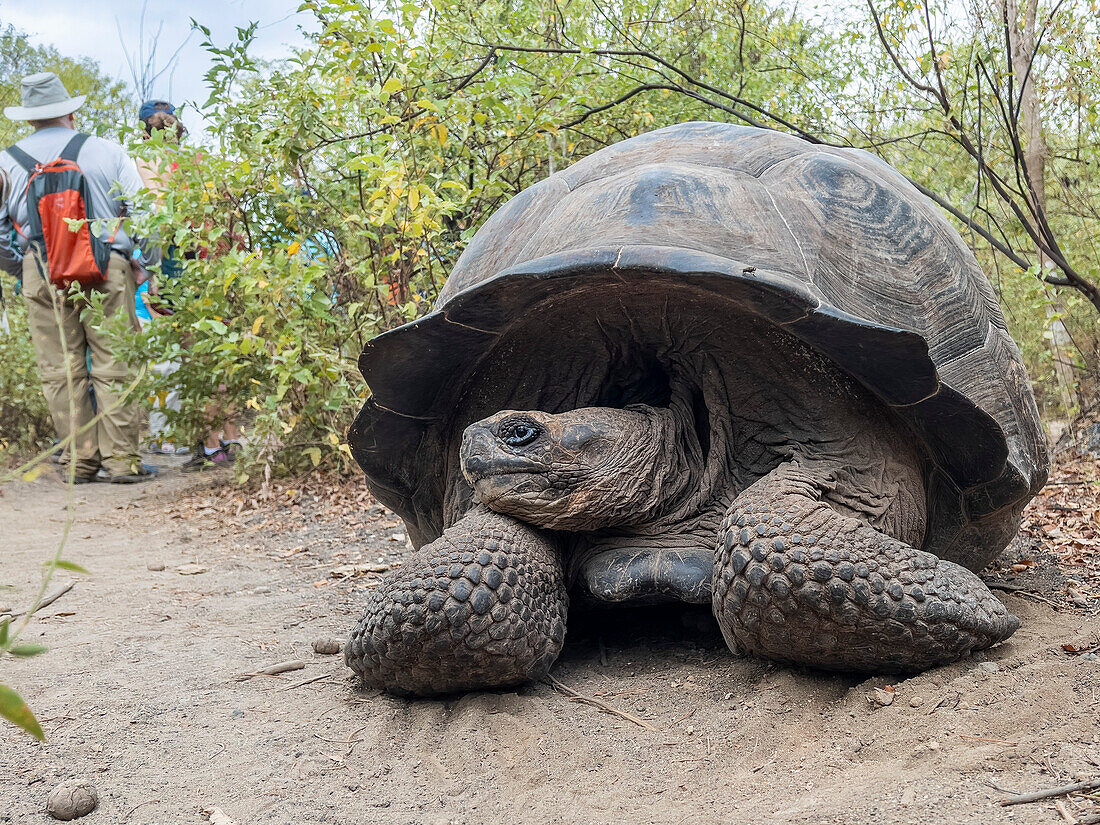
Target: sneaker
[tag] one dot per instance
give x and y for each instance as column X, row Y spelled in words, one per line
column 163, row 448
column 200, row 460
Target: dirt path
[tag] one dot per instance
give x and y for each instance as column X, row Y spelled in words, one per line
column 137, row 693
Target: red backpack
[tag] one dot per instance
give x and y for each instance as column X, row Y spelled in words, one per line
column 57, row 193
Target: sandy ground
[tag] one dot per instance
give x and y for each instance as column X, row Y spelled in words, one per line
column 138, row 694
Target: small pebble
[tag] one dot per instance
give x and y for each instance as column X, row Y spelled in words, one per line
column 916, row 701
column 72, row 799
column 263, row 588
column 883, row 698
column 237, row 713
column 6, row 608
column 326, row 647
column 990, row 667
column 155, row 566
column 1090, row 656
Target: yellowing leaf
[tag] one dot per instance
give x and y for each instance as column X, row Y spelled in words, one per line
column 34, row 472
column 15, row 710
column 70, row 565
column 314, row 454
column 294, row 248
column 440, row 132
column 391, row 85
column 414, row 198
column 257, row 324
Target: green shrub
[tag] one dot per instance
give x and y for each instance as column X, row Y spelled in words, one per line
column 25, row 425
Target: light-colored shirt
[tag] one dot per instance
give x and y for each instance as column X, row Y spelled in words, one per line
column 110, row 173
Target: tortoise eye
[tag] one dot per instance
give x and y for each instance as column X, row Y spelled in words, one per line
column 519, row 433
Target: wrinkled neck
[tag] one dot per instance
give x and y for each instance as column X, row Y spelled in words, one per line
column 668, row 463
column 650, row 474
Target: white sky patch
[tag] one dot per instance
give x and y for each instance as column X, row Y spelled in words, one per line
column 90, row 28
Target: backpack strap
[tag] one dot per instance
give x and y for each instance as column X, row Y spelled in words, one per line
column 22, row 158
column 72, row 148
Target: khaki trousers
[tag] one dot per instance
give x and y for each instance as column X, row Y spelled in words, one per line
column 62, row 332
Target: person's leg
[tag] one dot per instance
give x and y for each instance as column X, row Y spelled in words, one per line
column 120, row 420
column 231, row 433
column 59, row 346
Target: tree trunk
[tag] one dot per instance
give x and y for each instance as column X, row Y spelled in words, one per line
column 1022, row 43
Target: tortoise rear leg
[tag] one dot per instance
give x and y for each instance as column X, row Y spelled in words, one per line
column 798, row 582
column 482, row 606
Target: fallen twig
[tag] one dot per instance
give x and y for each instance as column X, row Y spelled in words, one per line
column 987, row 739
column 307, row 681
column 1005, row 586
column 596, row 703
column 1000, row 788
column 1035, row 796
column 1020, row 591
column 273, row 670
column 46, row 602
column 1060, row 806
column 352, row 741
column 139, row 805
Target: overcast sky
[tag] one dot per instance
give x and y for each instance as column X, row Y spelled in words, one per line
column 90, row 28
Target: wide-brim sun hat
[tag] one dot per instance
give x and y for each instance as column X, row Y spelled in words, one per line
column 44, row 97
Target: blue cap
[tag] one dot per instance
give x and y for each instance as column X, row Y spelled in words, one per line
column 151, row 107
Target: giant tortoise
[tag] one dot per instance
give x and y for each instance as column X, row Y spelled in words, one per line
column 712, row 364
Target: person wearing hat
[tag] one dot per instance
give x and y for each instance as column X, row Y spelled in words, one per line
column 63, row 334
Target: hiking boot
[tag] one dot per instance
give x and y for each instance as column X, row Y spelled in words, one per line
column 138, row 472
column 63, row 474
column 200, row 460
column 81, row 476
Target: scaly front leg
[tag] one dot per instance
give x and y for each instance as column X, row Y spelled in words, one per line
column 482, row 606
column 798, row 582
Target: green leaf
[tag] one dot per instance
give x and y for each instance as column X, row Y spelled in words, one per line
column 15, row 710
column 392, row 85
column 70, row 565
column 4, row 625
column 26, row 651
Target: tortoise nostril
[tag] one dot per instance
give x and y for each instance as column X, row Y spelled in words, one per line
column 477, row 451
column 475, row 463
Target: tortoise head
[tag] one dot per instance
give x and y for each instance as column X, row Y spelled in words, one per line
column 584, row 469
